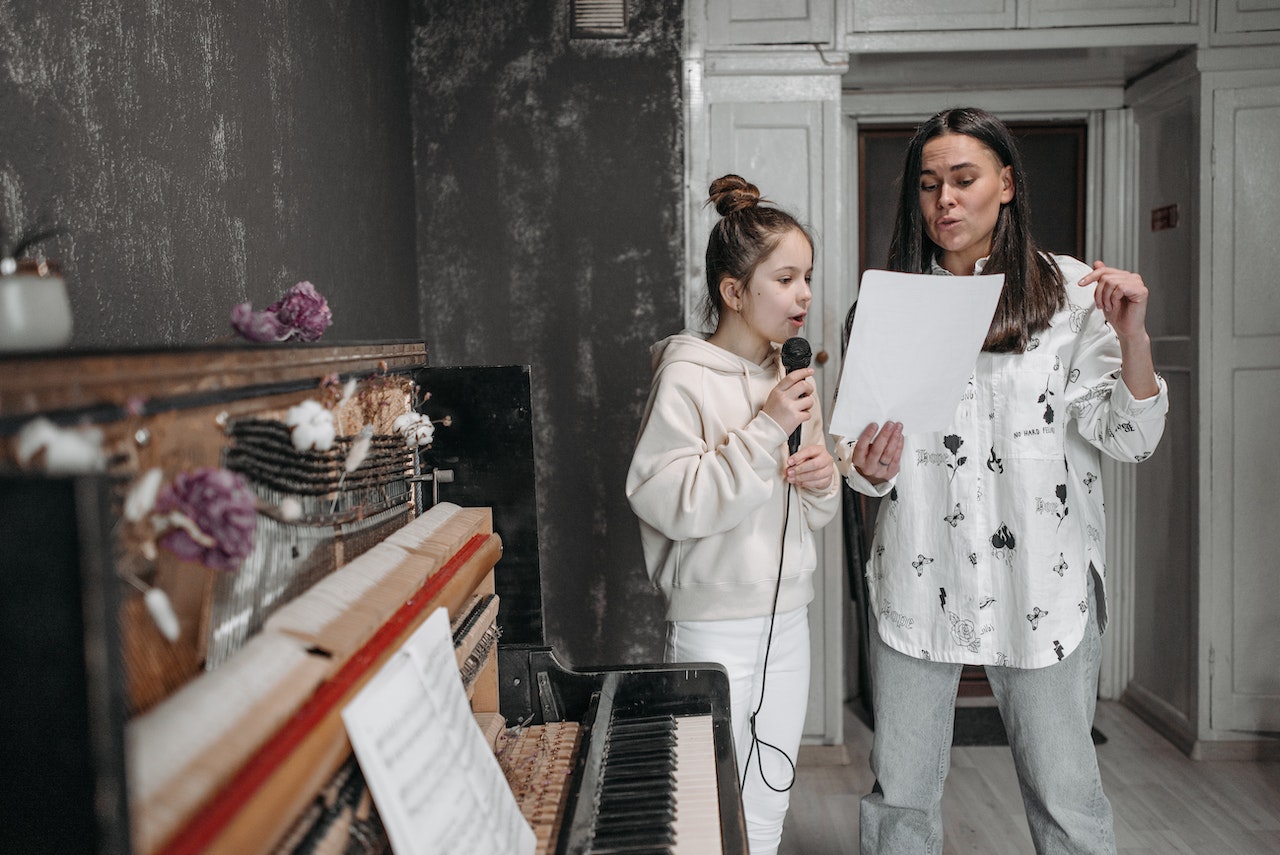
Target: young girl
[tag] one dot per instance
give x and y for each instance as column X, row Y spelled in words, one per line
column 990, row 544
column 727, row 515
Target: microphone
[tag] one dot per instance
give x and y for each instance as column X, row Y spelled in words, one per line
column 795, row 355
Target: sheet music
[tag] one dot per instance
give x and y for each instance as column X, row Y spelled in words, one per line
column 914, row 343
column 434, row 779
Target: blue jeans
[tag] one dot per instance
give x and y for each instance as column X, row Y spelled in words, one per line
column 766, row 771
column 1048, row 714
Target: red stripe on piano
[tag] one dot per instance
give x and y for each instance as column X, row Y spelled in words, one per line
column 213, row 817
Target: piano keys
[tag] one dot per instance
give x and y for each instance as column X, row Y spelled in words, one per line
column 696, row 766
column 656, row 787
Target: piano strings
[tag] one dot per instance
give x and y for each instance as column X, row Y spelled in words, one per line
column 340, row 514
column 189, row 746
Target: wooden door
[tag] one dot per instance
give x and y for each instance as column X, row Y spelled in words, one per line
column 1243, row 400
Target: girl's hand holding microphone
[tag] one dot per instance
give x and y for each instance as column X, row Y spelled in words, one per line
column 877, row 455
column 789, row 404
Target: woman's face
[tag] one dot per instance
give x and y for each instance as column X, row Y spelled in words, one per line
column 962, row 186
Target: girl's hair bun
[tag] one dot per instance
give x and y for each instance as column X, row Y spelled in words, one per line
column 732, row 193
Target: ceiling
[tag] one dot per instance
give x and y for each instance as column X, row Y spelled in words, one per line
column 1005, row 69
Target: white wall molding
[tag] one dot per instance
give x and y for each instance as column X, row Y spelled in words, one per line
column 1026, row 103
column 1113, row 236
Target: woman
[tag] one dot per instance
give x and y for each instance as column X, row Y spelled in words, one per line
column 990, row 544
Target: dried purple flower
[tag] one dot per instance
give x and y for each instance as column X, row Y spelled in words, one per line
column 305, row 310
column 303, row 314
column 257, row 326
column 221, row 507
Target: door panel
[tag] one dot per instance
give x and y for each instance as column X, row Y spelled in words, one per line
column 1245, row 404
column 783, row 148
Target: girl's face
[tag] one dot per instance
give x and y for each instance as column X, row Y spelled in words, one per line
column 776, row 300
column 962, row 186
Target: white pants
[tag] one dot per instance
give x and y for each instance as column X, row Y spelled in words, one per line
column 739, row 645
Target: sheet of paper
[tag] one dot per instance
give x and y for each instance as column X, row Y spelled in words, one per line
column 914, row 343
column 433, row 777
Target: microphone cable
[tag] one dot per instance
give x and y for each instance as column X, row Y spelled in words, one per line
column 757, row 744
column 795, row 353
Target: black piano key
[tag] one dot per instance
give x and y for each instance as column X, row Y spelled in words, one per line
column 664, row 760
column 634, row 722
column 653, row 836
column 623, row 796
column 623, row 809
column 651, row 750
column 630, row 796
column 622, row 738
column 657, row 777
column 636, row 820
column 656, row 748
column 640, row 736
column 639, row 770
column 621, row 804
column 628, row 776
column 638, row 811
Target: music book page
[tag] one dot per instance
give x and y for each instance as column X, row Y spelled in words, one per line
column 434, row 779
column 914, row 343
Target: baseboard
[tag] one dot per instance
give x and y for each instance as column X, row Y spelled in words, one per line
column 1247, row 749
column 1161, row 716
column 1170, row 724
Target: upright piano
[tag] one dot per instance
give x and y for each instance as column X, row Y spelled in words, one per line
column 221, row 730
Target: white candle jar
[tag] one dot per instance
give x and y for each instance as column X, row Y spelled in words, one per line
column 35, row 313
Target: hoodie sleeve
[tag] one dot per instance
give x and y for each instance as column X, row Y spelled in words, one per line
column 682, row 484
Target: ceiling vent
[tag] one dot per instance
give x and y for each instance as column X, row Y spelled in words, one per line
column 599, row 19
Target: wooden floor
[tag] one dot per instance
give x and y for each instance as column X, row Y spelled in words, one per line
column 1164, row 803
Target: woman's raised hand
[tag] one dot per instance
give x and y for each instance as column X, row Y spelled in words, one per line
column 1122, row 297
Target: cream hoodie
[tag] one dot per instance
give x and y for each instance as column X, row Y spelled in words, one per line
column 706, row 481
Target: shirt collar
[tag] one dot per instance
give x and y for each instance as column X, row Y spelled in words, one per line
column 938, row 270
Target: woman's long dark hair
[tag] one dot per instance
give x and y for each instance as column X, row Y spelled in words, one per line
column 1033, row 290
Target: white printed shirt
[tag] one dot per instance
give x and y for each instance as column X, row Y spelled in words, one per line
column 984, row 539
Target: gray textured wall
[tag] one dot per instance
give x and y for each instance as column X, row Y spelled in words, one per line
column 550, row 234
column 206, row 152
column 513, row 199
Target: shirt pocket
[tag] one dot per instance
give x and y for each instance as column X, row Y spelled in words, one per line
column 1031, row 409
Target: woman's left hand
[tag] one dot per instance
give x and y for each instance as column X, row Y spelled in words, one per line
column 811, row 468
column 1122, row 297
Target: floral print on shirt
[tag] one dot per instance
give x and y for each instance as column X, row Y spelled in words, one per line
column 982, row 558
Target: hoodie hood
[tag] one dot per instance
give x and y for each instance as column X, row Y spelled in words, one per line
column 692, row 346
